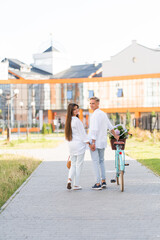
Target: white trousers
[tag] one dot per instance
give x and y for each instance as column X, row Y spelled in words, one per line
column 76, row 167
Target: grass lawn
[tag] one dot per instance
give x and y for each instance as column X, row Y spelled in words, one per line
column 14, row 170
column 146, row 152
column 30, row 143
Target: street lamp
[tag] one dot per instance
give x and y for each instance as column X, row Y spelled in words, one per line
column 33, row 109
column 8, row 98
column 21, row 105
column 29, row 107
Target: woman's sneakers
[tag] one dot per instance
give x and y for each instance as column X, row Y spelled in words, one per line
column 74, row 187
column 77, row 188
column 69, row 185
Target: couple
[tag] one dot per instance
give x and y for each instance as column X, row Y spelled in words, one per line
column 78, row 140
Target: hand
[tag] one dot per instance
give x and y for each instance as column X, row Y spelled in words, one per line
column 92, row 147
column 117, row 137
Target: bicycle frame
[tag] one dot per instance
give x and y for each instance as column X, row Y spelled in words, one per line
column 119, row 160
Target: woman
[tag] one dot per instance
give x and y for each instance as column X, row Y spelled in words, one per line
column 77, row 139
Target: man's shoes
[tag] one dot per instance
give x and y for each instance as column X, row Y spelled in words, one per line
column 104, row 185
column 69, row 185
column 97, row 187
column 77, row 188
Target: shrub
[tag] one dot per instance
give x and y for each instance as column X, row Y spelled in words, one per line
column 47, row 128
column 145, row 135
column 23, row 168
column 44, row 130
column 117, row 120
column 128, row 119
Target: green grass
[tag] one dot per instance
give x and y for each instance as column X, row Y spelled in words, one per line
column 54, row 134
column 14, row 170
column 146, row 152
column 30, row 143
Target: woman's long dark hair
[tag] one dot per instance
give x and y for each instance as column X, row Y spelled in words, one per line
column 68, row 129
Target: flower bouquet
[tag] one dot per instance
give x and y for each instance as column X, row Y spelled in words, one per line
column 123, row 135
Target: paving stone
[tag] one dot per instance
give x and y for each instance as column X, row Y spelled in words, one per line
column 44, row 209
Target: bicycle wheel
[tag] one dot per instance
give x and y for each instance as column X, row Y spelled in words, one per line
column 122, row 181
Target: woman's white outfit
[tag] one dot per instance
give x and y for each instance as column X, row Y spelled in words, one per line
column 77, row 149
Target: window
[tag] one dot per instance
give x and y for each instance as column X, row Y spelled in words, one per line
column 91, row 93
column 120, row 92
column 69, row 95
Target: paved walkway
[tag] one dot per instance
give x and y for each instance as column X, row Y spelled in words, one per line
column 44, row 209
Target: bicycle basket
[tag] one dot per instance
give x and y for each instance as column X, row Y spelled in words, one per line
column 114, row 140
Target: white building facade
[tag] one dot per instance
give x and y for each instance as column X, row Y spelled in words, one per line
column 137, row 69
column 52, row 61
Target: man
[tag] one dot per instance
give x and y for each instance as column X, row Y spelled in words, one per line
column 98, row 137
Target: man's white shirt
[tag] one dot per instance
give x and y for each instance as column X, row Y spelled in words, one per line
column 99, row 124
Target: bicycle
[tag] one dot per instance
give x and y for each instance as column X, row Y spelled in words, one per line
column 120, row 162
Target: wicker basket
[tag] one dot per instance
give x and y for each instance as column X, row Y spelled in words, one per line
column 114, row 140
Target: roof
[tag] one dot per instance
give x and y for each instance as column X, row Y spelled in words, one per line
column 51, row 49
column 98, row 74
column 37, row 70
column 15, row 70
column 134, row 42
column 33, row 74
column 79, row 71
column 11, row 76
column 14, row 63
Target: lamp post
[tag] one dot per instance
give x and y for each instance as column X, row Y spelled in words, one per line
column 20, row 124
column 29, row 107
column 8, row 98
column 21, row 105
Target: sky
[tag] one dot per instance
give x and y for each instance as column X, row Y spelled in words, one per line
column 86, row 31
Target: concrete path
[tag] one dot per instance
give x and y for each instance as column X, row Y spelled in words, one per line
column 44, row 209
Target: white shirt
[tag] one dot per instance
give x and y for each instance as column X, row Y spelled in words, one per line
column 99, row 124
column 79, row 137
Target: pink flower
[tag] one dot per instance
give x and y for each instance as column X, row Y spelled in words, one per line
column 117, row 132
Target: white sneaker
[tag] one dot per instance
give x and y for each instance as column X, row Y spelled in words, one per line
column 77, row 188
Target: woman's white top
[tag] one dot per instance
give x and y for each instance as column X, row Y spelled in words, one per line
column 79, row 137
column 99, row 124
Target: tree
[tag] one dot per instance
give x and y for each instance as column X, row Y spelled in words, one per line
column 47, row 128
column 113, row 118
column 117, row 121
column 0, row 113
column 44, row 130
column 128, row 119
column 153, row 114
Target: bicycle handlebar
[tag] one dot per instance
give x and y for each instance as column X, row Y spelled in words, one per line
column 119, row 135
column 125, row 130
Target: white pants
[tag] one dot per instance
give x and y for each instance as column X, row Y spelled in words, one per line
column 76, row 167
